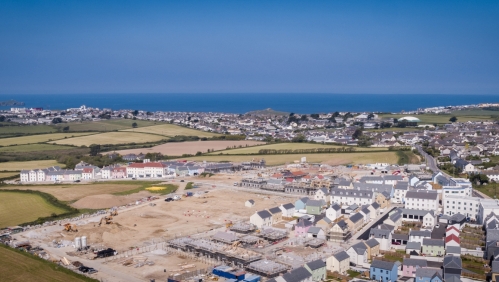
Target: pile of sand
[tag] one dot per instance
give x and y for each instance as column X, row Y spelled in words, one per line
column 103, row 201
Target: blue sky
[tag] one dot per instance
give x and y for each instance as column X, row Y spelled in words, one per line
column 249, row 46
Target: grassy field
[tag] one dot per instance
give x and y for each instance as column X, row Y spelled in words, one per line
column 16, row 166
column 38, row 138
column 105, row 125
column 288, row 146
column 26, row 129
column 110, row 138
column 407, row 157
column 7, row 174
column 491, row 189
column 169, row 188
column 462, row 116
column 172, row 130
column 73, row 192
column 33, row 148
column 22, row 266
column 333, row 158
column 17, row 208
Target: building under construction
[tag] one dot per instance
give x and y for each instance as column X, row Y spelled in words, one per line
column 228, row 254
column 242, row 227
column 267, row 268
column 272, row 234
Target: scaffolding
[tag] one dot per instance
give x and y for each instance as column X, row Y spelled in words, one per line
column 180, row 243
column 243, row 228
column 267, row 268
column 249, row 239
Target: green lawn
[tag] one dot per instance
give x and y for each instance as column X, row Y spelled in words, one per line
column 491, row 189
column 21, row 266
column 407, row 157
column 17, row 208
column 170, row 188
column 34, row 147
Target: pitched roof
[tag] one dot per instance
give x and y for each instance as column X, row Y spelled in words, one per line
column 360, row 248
column 453, row 250
column 316, row 264
column 387, row 265
column 452, row 237
column 341, row 256
column 297, row 275
column 413, row 245
column 288, row 206
column 264, row 214
column 452, row 262
column 275, row 210
column 372, row 243
column 314, row 203
column 433, row 242
column 424, row 195
column 423, row 233
column 428, row 272
column 379, row 233
column 356, row 217
column 415, row 262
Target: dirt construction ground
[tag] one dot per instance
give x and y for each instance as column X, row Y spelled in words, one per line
column 146, row 224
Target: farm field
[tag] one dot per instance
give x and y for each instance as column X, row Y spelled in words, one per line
column 17, row 208
column 16, row 166
column 110, row 138
column 73, row 192
column 172, row 130
column 180, row 148
column 332, row 159
column 288, row 146
column 38, row 138
column 26, row 129
column 7, row 174
column 17, row 266
column 105, row 125
column 34, row 148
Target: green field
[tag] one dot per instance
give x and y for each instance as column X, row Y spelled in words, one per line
column 172, row 130
column 26, row 129
column 33, row 148
column 38, row 138
column 7, row 174
column 333, row 158
column 289, row 146
column 16, row 166
column 105, row 125
column 407, row 157
column 462, row 116
column 17, row 208
column 21, row 266
column 110, row 138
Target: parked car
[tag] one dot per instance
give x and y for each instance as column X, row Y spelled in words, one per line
column 396, row 243
column 182, row 180
column 168, row 199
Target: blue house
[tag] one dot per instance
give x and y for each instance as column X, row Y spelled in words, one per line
column 429, row 274
column 384, row 271
column 301, row 204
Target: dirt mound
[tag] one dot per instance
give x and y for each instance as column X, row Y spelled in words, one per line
column 107, row 200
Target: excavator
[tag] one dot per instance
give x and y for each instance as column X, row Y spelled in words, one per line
column 106, row 220
column 228, row 224
column 114, row 213
column 70, row 227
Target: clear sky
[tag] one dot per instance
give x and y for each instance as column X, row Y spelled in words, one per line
column 249, row 46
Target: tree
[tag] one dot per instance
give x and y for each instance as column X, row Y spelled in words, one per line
column 314, row 116
column 453, row 119
column 370, row 116
column 300, row 138
column 65, row 129
column 94, row 149
column 198, row 153
column 57, row 120
column 479, row 178
column 136, row 112
column 2, row 118
column 304, row 117
column 134, row 125
column 357, row 134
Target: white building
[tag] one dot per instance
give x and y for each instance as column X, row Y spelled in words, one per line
column 352, row 196
column 456, row 190
column 465, row 205
column 333, row 212
column 486, row 207
column 422, row 200
column 261, row 218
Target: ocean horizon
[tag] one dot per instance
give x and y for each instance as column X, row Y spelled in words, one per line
column 241, row 103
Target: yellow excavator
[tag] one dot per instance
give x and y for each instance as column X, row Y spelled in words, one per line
column 70, row 227
column 228, row 224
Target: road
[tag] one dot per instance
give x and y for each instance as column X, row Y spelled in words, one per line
column 430, row 161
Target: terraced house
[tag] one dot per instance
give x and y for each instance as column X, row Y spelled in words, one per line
column 352, row 196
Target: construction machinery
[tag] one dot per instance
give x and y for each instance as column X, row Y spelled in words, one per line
column 106, row 220
column 70, row 227
column 114, row 213
column 228, row 224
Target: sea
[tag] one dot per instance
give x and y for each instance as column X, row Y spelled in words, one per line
column 242, row 103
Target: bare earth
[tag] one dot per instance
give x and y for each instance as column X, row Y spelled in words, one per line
column 108, row 201
column 180, row 148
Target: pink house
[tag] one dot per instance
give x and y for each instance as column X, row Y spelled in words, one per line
column 409, row 266
column 301, row 228
column 118, row 172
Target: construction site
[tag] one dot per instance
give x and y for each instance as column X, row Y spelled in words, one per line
column 158, row 239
